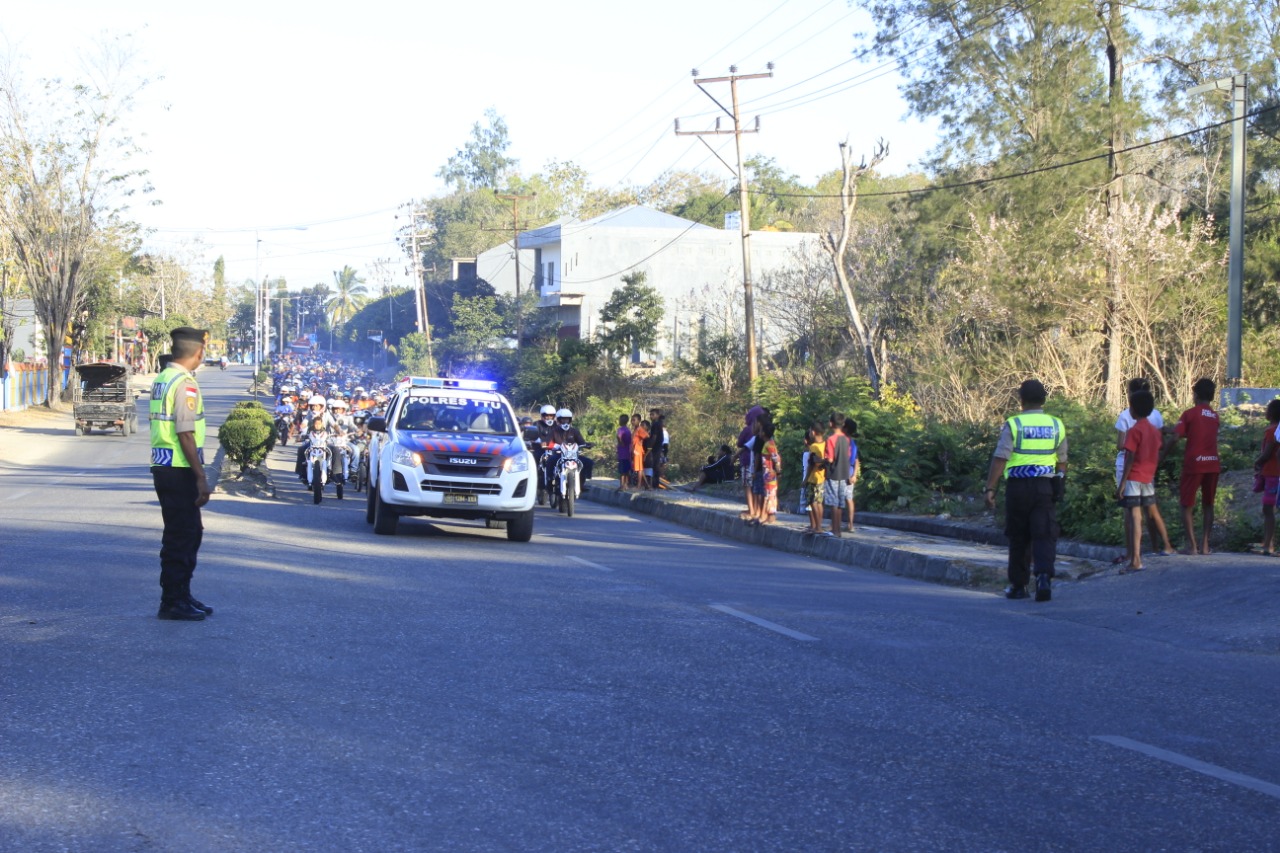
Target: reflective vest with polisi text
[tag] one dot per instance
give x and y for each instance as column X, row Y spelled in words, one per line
column 165, row 449
column 1036, row 437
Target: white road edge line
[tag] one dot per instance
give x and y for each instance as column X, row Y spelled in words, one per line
column 1204, row 767
column 17, row 495
column 591, row 565
column 765, row 623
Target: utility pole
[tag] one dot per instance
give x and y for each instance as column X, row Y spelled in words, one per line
column 419, row 287
column 515, row 249
column 744, row 224
column 1237, row 85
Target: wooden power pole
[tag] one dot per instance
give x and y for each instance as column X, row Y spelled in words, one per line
column 515, row 250
column 744, row 213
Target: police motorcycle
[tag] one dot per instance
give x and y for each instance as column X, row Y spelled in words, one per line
column 564, row 470
column 319, row 459
column 359, row 442
column 538, row 440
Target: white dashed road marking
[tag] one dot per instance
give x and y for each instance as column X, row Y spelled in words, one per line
column 1204, row 767
column 764, row 623
column 591, row 565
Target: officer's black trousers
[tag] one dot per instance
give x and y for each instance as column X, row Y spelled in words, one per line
column 183, row 530
column 1031, row 523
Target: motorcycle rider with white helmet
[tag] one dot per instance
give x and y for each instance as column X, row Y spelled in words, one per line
column 545, row 425
column 343, row 426
column 317, row 407
column 565, row 432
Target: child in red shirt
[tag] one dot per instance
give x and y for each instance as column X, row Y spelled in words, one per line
column 1142, row 445
column 1267, row 466
column 1200, row 463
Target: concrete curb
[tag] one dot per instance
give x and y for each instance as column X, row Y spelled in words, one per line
column 883, row 558
column 981, row 534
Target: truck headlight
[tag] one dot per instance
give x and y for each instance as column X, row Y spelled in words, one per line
column 518, row 464
column 401, row 455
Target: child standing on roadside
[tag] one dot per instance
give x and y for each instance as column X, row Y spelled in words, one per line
column 1136, row 490
column 851, row 431
column 1200, row 462
column 815, row 475
column 1267, row 466
column 624, row 452
column 1124, row 422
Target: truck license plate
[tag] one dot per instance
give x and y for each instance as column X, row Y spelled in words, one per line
column 460, row 499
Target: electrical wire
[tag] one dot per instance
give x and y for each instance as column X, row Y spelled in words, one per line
column 977, row 182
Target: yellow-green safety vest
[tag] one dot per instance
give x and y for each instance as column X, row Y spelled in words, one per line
column 1036, row 438
column 165, row 449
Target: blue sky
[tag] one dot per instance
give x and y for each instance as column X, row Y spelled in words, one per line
column 268, row 117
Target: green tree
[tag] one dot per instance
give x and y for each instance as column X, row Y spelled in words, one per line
column 631, row 318
column 63, row 195
column 349, row 296
column 482, row 162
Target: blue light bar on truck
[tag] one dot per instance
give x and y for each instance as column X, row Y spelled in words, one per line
column 452, row 384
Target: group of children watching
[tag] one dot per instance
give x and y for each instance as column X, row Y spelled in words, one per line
column 1144, row 441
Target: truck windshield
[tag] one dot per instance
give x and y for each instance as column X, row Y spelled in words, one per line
column 437, row 414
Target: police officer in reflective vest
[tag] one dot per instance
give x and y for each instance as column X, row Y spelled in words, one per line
column 177, row 469
column 1031, row 456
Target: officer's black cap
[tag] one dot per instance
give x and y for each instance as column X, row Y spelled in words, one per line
column 1032, row 391
column 187, row 333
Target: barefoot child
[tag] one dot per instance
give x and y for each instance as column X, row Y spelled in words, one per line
column 1200, row 463
column 1137, row 489
column 815, row 476
column 1124, row 421
column 1267, row 465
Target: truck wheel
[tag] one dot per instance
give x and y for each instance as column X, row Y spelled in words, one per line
column 520, row 528
column 369, row 498
column 384, row 517
column 79, row 430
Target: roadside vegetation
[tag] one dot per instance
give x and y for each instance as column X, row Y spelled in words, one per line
column 1071, row 224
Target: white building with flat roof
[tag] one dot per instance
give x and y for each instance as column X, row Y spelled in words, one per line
column 575, row 265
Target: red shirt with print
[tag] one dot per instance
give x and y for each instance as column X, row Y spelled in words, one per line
column 1199, row 426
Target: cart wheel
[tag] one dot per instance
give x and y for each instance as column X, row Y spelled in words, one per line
column 79, row 430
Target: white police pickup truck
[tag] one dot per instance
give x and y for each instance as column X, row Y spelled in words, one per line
column 450, row 448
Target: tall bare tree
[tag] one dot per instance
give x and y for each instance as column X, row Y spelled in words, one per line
column 64, row 163
column 836, row 244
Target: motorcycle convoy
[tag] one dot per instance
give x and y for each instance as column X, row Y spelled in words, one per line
column 334, row 442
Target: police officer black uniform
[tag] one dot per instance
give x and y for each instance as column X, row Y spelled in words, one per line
column 177, row 471
column 1031, row 456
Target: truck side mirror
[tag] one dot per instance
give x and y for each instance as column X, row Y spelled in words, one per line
column 377, row 424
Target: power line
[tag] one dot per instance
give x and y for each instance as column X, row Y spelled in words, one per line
column 977, row 182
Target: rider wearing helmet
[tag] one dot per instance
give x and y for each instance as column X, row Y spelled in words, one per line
column 545, row 425
column 316, row 409
column 565, row 432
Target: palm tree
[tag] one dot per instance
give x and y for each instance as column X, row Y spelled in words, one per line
column 349, row 299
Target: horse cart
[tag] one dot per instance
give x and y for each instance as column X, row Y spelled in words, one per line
column 103, row 399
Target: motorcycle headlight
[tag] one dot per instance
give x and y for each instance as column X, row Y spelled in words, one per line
column 517, row 464
column 401, row 455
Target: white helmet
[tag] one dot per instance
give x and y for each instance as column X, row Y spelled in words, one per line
column 339, row 404
column 564, row 413
column 548, row 410
column 316, row 400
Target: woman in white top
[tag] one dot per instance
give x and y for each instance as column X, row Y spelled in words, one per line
column 1124, row 421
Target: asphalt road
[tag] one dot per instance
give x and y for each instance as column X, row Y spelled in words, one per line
column 616, row 684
